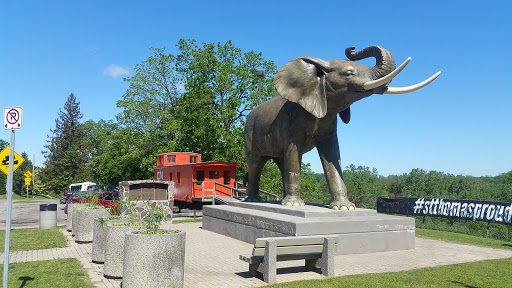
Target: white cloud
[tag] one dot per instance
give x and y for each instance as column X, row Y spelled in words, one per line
column 116, row 71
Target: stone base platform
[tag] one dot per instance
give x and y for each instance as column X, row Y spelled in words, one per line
column 359, row 231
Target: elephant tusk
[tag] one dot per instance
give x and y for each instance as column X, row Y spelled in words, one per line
column 402, row 90
column 386, row 79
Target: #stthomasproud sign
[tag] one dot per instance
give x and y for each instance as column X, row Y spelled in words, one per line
column 487, row 211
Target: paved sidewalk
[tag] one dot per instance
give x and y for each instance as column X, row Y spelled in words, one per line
column 211, row 260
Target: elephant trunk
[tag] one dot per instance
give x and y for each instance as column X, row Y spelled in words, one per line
column 385, row 63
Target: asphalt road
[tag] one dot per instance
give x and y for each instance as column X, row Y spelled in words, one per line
column 26, row 215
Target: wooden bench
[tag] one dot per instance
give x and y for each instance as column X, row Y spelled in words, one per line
column 317, row 251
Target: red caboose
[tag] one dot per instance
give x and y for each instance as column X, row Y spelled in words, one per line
column 195, row 182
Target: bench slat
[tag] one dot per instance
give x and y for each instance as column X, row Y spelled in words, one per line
column 290, row 250
column 293, row 241
column 259, row 259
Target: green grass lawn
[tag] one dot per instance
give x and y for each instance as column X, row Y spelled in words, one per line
column 34, row 239
column 463, row 238
column 63, row 273
column 18, row 197
column 488, row 273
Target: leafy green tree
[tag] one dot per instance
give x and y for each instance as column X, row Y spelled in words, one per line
column 394, row 186
column 310, row 187
column 193, row 101
column 147, row 123
column 271, row 181
column 363, row 181
column 65, row 161
column 221, row 87
column 113, row 154
column 39, row 185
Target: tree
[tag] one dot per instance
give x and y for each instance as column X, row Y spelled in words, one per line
column 114, row 157
column 193, row 101
column 221, row 87
column 361, row 180
column 147, row 124
column 39, row 185
column 65, row 161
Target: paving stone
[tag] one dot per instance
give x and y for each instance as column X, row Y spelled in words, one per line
column 211, row 259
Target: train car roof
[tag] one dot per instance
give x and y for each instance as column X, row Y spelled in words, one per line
column 211, row 163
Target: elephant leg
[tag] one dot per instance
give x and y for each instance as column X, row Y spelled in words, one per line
column 280, row 164
column 329, row 152
column 291, row 176
column 254, row 174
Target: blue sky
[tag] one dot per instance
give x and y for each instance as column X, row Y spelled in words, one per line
column 460, row 124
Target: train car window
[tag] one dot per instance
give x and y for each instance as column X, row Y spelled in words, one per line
column 227, row 177
column 171, row 158
column 193, row 159
column 214, row 175
column 178, row 176
column 200, row 176
column 170, row 177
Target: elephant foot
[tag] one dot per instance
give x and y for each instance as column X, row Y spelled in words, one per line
column 292, row 201
column 342, row 205
column 253, row 198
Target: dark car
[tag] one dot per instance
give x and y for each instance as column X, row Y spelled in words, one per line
column 77, row 197
column 106, row 199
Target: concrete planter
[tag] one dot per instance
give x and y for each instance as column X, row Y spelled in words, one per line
column 75, row 218
column 69, row 217
column 84, row 227
column 114, row 249
column 154, row 260
column 99, row 241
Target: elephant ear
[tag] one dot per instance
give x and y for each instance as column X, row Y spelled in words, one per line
column 302, row 80
column 345, row 115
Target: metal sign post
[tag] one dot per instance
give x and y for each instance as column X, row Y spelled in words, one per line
column 12, row 121
column 9, row 213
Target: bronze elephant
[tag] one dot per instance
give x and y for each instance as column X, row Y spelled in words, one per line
column 311, row 94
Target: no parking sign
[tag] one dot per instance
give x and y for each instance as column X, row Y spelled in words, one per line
column 12, row 118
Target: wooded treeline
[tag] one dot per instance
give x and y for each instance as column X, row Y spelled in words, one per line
column 363, row 181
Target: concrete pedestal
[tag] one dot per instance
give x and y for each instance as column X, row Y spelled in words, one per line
column 154, row 260
column 359, row 231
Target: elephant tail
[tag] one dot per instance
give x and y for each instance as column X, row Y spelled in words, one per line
column 246, row 179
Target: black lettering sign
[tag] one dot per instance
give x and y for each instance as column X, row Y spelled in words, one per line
column 487, row 211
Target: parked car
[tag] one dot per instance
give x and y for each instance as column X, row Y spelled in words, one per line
column 106, row 199
column 65, row 197
column 102, row 188
column 75, row 188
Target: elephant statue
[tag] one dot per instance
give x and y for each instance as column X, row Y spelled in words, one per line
column 311, row 94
